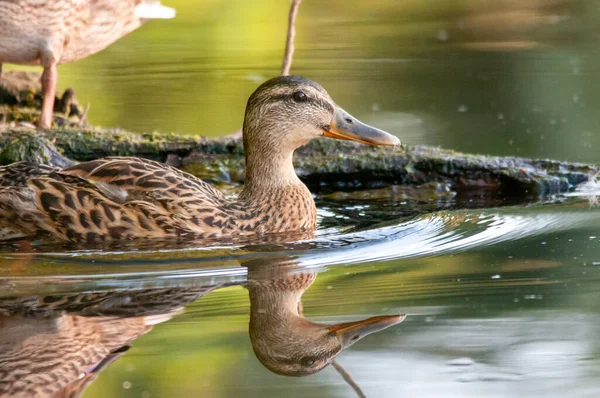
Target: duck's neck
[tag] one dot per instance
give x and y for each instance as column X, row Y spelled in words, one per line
column 273, row 193
column 274, row 303
column 265, row 173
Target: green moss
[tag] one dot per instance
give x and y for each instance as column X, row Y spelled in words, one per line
column 31, row 148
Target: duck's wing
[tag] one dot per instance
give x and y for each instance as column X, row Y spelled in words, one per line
column 36, row 198
column 142, row 179
column 92, row 211
column 109, row 199
column 18, row 213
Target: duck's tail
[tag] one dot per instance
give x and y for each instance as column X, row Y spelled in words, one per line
column 149, row 9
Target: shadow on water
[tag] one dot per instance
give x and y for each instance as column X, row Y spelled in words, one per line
column 505, row 296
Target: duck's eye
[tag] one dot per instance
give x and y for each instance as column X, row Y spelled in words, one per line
column 299, row 96
column 307, row 361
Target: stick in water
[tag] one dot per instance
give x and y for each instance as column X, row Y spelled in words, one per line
column 348, row 379
column 291, row 34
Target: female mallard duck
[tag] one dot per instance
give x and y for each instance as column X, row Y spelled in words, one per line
column 49, row 33
column 125, row 198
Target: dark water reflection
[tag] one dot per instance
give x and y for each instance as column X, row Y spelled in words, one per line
column 499, row 302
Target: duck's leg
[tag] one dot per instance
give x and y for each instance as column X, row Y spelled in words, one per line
column 49, row 80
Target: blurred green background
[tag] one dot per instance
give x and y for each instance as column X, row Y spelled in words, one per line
column 492, row 76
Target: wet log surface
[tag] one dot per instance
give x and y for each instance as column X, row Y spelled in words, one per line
column 324, row 165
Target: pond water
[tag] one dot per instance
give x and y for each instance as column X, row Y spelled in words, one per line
column 501, row 299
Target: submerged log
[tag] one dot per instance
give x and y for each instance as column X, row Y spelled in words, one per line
column 324, row 165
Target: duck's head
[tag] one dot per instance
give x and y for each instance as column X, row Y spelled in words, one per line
column 283, row 340
column 302, row 347
column 287, row 112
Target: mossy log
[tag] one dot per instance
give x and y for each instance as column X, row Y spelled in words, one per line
column 325, row 165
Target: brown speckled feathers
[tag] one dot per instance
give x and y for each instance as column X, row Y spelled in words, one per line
column 54, row 346
column 35, row 31
column 126, row 198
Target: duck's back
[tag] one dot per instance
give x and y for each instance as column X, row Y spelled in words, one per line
column 109, row 199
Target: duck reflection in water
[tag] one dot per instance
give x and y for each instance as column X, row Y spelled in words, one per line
column 283, row 340
column 54, row 346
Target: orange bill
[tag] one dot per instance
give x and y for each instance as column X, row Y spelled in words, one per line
column 349, row 333
column 346, row 127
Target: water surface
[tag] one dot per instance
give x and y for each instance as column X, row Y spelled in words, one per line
column 501, row 297
column 500, row 301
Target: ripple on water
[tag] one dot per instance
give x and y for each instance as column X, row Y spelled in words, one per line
column 439, row 233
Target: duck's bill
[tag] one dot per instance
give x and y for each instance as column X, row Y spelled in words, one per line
column 346, row 127
column 349, row 333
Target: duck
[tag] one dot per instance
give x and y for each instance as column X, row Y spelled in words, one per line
column 128, row 198
column 77, row 335
column 49, row 33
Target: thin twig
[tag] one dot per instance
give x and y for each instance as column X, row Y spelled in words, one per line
column 348, row 379
column 291, row 34
column 83, row 118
